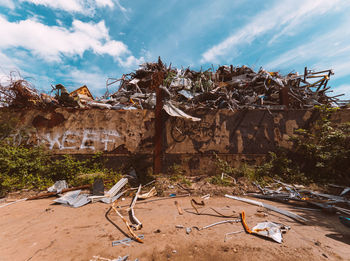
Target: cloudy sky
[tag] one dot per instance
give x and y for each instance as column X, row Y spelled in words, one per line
column 77, row 42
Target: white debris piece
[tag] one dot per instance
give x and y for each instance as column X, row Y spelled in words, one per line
column 271, row 230
column 176, row 112
column 187, row 94
column 273, row 208
column 117, row 187
column 73, row 199
column 58, row 186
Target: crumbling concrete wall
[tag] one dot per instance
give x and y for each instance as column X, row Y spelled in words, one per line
column 239, row 136
column 71, row 131
column 239, row 132
column 246, row 135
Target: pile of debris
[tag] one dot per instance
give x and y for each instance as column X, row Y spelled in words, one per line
column 228, row 87
column 298, row 195
column 18, row 94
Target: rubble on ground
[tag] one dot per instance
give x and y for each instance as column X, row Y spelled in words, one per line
column 296, row 195
column 301, row 197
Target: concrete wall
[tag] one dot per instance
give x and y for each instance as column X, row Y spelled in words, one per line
column 70, row 131
column 121, row 135
column 240, row 136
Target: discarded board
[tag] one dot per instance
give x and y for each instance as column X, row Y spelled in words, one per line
column 273, row 208
column 179, row 209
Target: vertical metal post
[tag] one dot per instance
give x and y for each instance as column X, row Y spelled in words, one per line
column 157, row 80
column 284, row 97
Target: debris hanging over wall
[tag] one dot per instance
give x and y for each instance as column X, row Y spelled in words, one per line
column 228, row 87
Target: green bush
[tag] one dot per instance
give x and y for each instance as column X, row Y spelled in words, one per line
column 34, row 168
column 244, row 170
column 217, row 180
column 176, row 173
column 24, row 167
column 321, row 154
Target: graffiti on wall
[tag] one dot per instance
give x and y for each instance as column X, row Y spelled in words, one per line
column 247, row 132
column 197, row 131
column 86, row 139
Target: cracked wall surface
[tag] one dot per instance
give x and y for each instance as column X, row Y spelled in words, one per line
column 69, row 131
column 239, row 136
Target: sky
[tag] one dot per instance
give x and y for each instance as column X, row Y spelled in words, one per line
column 84, row 42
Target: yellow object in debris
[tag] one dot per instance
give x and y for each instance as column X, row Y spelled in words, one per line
column 83, row 91
column 246, row 228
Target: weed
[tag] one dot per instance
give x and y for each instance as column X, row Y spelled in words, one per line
column 244, row 170
column 177, row 174
column 35, row 168
column 247, row 171
column 169, row 78
column 181, row 179
column 321, row 154
column 217, row 180
column 176, row 170
column 223, row 166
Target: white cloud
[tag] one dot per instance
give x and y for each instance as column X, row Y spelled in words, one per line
column 281, row 17
column 59, row 22
column 66, row 5
column 86, row 7
column 94, row 79
column 12, row 68
column 7, row 61
column 123, row 9
column 329, row 49
column 7, row 3
column 7, row 66
column 103, row 3
column 51, row 42
column 131, row 61
column 342, row 89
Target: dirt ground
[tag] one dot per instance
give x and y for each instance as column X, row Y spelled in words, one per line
column 41, row 230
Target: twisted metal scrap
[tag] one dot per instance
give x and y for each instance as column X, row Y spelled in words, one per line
column 126, row 223
column 131, row 210
column 19, row 93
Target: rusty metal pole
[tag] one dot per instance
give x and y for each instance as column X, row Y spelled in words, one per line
column 159, row 124
column 284, row 97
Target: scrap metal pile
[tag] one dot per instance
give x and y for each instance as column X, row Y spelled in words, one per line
column 184, row 89
column 227, row 87
column 298, row 195
column 19, row 93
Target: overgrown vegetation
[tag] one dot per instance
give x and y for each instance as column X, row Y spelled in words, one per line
column 220, row 180
column 244, row 170
column 320, row 154
column 24, row 167
column 177, row 174
column 34, row 168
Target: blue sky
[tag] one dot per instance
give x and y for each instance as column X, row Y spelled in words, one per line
column 77, row 42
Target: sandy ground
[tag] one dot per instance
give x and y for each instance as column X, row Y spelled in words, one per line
column 41, row 230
